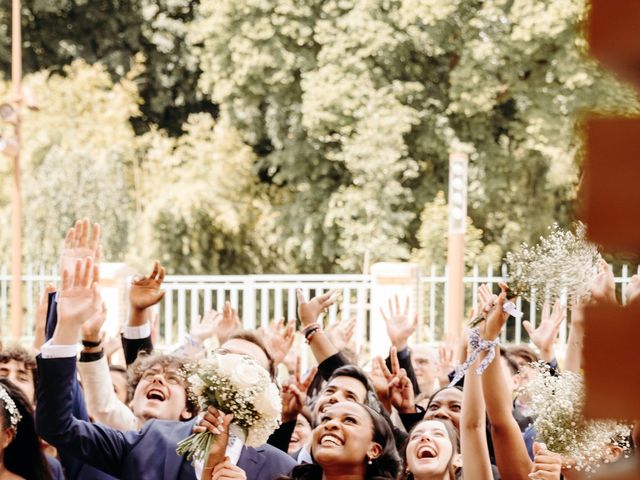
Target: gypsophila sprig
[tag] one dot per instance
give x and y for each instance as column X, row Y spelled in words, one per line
column 233, row 384
column 557, row 403
column 563, row 263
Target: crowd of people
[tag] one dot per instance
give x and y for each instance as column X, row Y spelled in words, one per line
column 119, row 409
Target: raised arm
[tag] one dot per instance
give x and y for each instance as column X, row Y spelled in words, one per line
column 510, row 450
column 78, row 300
column 473, row 433
column 546, row 333
column 309, row 313
column 573, row 357
column 102, row 403
column 144, row 293
column 400, row 327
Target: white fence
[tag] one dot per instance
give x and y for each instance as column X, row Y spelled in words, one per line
column 261, row 298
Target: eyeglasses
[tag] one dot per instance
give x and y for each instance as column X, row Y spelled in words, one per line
column 171, row 377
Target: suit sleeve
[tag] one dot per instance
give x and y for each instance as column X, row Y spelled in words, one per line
column 331, row 364
column 95, row 444
column 133, row 346
column 282, row 436
column 101, row 400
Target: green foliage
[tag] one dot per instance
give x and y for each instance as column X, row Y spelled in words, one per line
column 114, row 33
column 433, row 235
column 77, row 152
column 199, row 207
column 243, row 136
column 355, row 104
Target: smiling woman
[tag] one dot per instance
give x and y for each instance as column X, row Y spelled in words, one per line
column 351, row 438
column 432, row 451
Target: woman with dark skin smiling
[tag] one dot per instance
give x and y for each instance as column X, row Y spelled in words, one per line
column 446, row 404
column 351, row 442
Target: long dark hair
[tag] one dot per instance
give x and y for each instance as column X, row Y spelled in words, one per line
column 23, row 456
column 386, row 467
column 455, row 443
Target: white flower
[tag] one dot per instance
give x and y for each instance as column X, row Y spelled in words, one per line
column 228, row 362
column 268, row 402
column 246, row 375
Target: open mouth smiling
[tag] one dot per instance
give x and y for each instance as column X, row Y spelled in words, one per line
column 331, row 440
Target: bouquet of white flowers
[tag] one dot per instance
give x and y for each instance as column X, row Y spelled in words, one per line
column 557, row 403
column 563, row 263
column 233, row 384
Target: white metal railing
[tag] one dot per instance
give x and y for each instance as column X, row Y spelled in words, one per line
column 261, row 298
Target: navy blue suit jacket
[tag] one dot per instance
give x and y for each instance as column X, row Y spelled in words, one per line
column 75, row 469
column 149, row 454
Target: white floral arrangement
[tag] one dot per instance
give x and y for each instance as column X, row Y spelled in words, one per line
column 557, row 403
column 562, row 263
column 233, row 384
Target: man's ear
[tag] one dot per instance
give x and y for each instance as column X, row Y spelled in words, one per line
column 186, row 414
column 374, row 451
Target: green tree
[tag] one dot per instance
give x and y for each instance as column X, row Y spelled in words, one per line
column 115, row 33
column 77, row 152
column 353, row 106
column 433, row 235
column 199, row 207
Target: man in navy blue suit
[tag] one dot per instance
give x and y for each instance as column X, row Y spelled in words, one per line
column 146, row 454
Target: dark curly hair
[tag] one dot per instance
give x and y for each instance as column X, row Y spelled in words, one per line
column 386, row 467
column 21, row 355
column 145, row 361
column 23, row 456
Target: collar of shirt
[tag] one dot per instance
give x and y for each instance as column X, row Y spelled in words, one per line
column 304, row 456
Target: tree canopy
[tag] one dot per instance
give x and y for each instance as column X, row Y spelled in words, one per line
column 308, row 135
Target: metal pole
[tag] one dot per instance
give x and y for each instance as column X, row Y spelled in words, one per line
column 454, row 307
column 16, row 200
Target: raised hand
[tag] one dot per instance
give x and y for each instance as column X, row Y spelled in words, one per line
column 497, row 318
column 341, row 334
column 145, row 290
column 546, row 465
column 545, row 335
column 294, row 393
column 310, row 311
column 227, row 323
column 399, row 326
column 603, row 287
column 633, row 290
column 205, row 327
column 399, row 387
column 78, row 301
column 401, row 393
column 279, row 338
column 80, row 242
column 217, row 423
column 445, row 365
column 379, row 375
column 91, row 328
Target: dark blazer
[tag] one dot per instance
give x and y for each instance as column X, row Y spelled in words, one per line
column 75, row 469
column 149, row 454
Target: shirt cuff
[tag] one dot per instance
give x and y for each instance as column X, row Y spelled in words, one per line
column 404, row 353
column 136, row 333
column 58, row 351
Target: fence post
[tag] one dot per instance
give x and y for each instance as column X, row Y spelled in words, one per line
column 249, row 303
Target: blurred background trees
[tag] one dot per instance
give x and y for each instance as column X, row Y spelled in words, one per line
column 238, row 136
